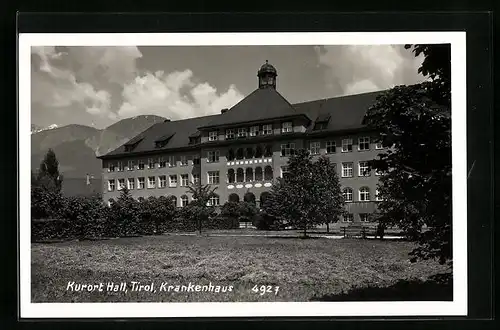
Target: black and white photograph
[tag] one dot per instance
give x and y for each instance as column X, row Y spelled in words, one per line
column 278, row 174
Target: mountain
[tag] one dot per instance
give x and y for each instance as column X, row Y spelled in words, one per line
column 36, row 128
column 76, row 146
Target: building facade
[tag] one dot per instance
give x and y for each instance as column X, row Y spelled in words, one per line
column 244, row 149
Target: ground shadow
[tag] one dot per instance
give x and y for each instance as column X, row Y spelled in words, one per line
column 437, row 288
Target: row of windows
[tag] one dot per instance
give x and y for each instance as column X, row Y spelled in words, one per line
column 363, row 194
column 152, row 163
column 213, row 156
column 347, row 169
column 160, row 181
column 253, row 131
column 249, row 175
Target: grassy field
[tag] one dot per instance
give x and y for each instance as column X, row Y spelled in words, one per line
column 303, row 269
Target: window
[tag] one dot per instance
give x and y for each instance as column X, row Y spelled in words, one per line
column 286, row 127
column 242, row 132
column 151, row 163
column 230, row 134
column 151, row 182
column 184, row 161
column 213, row 156
column 364, row 217
column 196, row 179
column 140, row 165
column 184, row 180
column 364, row 194
column 121, row 184
column 377, row 195
column 346, row 170
column 267, row 129
column 131, row 183
column 184, row 200
column 331, row 147
column 364, row 143
column 284, row 171
column 171, row 161
column 254, row 130
column 213, row 177
column 162, row 162
column 130, row 165
column 213, row 201
column 349, row 217
column 363, row 169
column 141, row 182
column 347, row 193
column 379, row 146
column 173, row 180
column 111, row 185
column 121, row 167
column 213, row 136
column 196, row 160
column 287, row 149
column 346, row 145
column 162, row 181
column 314, row 148
column 111, row 167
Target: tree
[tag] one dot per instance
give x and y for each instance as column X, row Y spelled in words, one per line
column 126, row 213
column 48, row 173
column 415, row 186
column 199, row 210
column 309, row 196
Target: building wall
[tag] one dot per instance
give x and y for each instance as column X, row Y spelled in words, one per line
column 224, row 189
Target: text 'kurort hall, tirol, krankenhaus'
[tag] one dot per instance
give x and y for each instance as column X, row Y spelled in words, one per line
column 245, row 148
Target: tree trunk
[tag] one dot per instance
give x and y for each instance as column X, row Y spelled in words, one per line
column 327, row 228
column 305, row 233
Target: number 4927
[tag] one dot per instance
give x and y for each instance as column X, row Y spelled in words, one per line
column 263, row 289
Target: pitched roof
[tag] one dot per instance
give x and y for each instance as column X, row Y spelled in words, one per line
column 178, row 130
column 345, row 112
column 261, row 104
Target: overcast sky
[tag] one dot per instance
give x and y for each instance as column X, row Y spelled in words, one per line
column 98, row 86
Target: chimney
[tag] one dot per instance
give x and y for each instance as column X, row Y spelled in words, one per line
column 224, row 110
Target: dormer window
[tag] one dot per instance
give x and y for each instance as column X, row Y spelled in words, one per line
column 213, row 136
column 254, row 130
column 229, row 134
column 321, row 122
column 163, row 140
column 130, row 145
column 242, row 132
column 286, row 127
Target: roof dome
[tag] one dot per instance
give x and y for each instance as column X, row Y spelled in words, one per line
column 267, row 68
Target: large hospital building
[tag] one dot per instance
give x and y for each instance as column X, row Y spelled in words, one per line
column 243, row 149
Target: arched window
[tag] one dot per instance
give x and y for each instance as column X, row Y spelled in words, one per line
column 258, row 152
column 240, row 153
column 249, row 198
column 264, row 197
column 258, row 174
column 240, row 176
column 230, row 154
column 234, row 198
column 249, row 174
column 250, row 153
column 364, row 194
column 268, row 151
column 173, row 200
column 184, row 200
column 230, row 176
column 347, row 193
column 268, row 173
column 214, row 200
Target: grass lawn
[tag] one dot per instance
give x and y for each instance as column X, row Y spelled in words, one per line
column 303, row 269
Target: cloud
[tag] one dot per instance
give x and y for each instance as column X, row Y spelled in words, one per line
column 175, row 96
column 115, row 64
column 357, row 69
column 56, row 87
